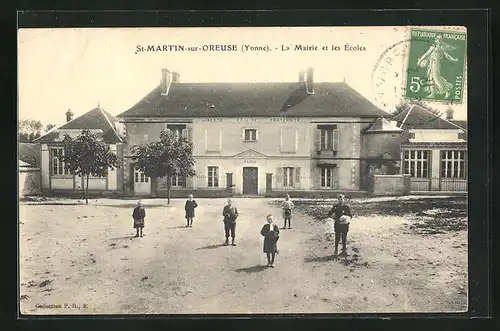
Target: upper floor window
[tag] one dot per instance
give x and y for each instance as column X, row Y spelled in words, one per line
column 453, row 164
column 416, row 163
column 250, row 134
column 288, row 140
column 213, row 139
column 329, row 140
column 58, row 166
column 178, row 130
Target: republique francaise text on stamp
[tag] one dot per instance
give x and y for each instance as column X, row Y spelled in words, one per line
column 436, row 61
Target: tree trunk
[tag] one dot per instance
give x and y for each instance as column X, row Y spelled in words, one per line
column 87, row 191
column 168, row 188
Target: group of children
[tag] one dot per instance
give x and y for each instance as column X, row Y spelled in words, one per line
column 338, row 219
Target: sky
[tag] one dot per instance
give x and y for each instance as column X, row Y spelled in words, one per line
column 77, row 69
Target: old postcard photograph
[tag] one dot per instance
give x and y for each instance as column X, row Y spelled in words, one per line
column 242, row 170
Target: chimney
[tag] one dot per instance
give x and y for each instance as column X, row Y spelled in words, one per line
column 449, row 114
column 175, row 77
column 166, row 80
column 69, row 115
column 302, row 76
column 310, row 81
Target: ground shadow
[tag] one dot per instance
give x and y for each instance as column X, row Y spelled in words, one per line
column 326, row 258
column 177, row 227
column 255, row 268
column 211, row 247
column 124, row 237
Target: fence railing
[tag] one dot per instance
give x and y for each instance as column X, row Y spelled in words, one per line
column 438, row 184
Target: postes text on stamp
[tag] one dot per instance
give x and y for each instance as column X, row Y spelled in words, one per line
column 436, row 61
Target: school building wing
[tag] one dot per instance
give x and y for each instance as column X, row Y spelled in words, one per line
column 56, row 177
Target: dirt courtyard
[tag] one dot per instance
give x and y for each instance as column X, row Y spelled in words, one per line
column 406, row 255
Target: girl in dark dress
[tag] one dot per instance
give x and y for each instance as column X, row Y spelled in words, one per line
column 271, row 232
column 138, row 215
column 189, row 207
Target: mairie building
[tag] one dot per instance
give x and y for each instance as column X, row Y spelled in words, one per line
column 262, row 139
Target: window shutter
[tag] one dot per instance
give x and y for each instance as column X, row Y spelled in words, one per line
column 297, row 177
column 256, row 134
column 185, row 133
column 184, row 181
column 190, row 134
column 279, row 177
column 335, row 178
column 243, row 134
column 317, row 140
column 317, row 177
column 335, row 140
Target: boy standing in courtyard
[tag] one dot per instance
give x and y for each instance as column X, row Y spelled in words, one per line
column 271, row 232
column 189, row 208
column 287, row 211
column 341, row 215
column 230, row 213
column 138, row 215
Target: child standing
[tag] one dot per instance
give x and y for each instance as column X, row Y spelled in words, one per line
column 138, row 215
column 342, row 215
column 230, row 214
column 287, row 211
column 271, row 232
column 189, row 207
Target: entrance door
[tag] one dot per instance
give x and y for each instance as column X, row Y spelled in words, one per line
column 250, row 180
column 142, row 183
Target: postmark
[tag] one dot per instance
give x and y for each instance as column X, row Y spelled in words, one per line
column 392, row 71
column 436, row 63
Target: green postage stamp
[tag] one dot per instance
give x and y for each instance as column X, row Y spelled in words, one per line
column 436, row 63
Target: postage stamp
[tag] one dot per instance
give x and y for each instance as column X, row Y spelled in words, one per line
column 436, row 61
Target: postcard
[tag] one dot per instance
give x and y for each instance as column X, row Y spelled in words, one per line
column 242, row 170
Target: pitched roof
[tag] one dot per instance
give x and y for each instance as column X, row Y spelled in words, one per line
column 29, row 153
column 418, row 117
column 462, row 124
column 254, row 99
column 97, row 118
column 382, row 125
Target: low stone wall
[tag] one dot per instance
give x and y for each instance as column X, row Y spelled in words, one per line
column 198, row 193
column 316, row 194
column 384, row 185
column 79, row 194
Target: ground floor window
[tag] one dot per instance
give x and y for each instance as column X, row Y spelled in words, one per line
column 176, row 181
column 453, row 164
column 58, row 166
column 288, row 173
column 416, row 163
column 213, row 176
column 140, row 177
column 327, row 175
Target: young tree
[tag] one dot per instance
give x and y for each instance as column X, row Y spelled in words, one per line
column 170, row 156
column 87, row 155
